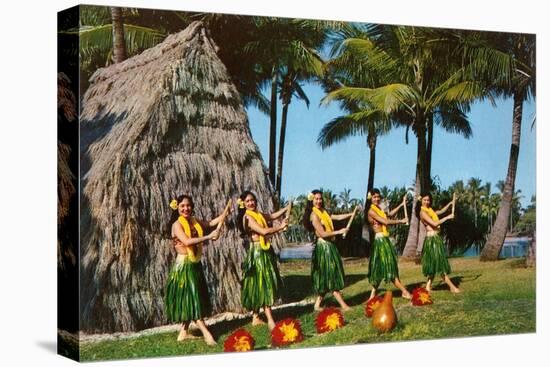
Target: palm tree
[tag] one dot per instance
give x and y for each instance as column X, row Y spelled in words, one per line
column 348, row 68
column 417, row 91
column 474, row 194
column 490, row 208
column 103, row 37
column 507, row 63
column 345, row 199
column 284, row 47
column 119, row 45
column 232, row 33
column 330, row 200
column 305, row 69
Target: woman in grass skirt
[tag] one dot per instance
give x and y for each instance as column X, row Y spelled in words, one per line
column 186, row 290
column 261, row 279
column 327, row 270
column 383, row 258
column 434, row 258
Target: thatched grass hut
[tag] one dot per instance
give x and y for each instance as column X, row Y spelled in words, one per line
column 67, row 206
column 164, row 122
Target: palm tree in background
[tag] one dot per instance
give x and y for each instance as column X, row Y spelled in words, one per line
column 507, row 64
column 287, row 50
column 119, row 45
column 345, row 199
column 347, row 68
column 291, row 87
column 474, row 193
column 105, row 35
column 423, row 85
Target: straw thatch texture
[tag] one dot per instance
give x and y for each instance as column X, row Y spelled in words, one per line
column 164, row 122
column 67, row 231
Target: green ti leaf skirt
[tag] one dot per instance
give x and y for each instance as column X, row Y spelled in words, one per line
column 434, row 257
column 261, row 279
column 327, row 270
column 382, row 261
column 186, row 292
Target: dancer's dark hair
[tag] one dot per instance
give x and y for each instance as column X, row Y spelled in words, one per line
column 369, row 201
column 175, row 214
column 419, row 204
column 242, row 211
column 309, row 208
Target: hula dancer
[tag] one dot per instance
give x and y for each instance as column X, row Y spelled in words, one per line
column 261, row 279
column 434, row 258
column 186, row 291
column 327, row 270
column 383, row 258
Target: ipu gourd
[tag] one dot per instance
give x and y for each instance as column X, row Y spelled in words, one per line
column 384, row 318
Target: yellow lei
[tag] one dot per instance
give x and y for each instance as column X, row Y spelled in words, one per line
column 381, row 213
column 193, row 257
column 431, row 213
column 325, row 219
column 259, row 218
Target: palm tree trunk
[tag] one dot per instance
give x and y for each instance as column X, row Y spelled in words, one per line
column 422, row 167
column 281, row 153
column 422, row 184
column 429, row 145
column 494, row 244
column 531, row 259
column 371, row 142
column 119, row 45
column 273, row 126
column 409, row 252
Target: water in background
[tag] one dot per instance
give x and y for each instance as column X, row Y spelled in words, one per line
column 513, row 247
column 296, row 252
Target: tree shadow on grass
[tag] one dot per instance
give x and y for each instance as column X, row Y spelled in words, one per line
column 226, row 326
column 299, row 287
column 362, row 298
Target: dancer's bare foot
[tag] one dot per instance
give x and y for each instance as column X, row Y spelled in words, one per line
column 256, row 320
column 271, row 325
column 346, row 308
column 405, row 294
column 455, row 290
column 372, row 294
column 317, row 305
column 210, row 340
column 184, row 335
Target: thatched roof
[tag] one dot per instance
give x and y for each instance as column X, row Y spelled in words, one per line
column 67, row 204
column 164, row 122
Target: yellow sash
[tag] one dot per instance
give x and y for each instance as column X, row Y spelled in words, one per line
column 325, row 219
column 381, row 213
column 259, row 218
column 431, row 213
column 193, row 257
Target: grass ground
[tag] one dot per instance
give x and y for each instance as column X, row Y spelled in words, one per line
column 497, row 298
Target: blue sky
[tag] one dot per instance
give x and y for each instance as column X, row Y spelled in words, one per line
column 345, row 165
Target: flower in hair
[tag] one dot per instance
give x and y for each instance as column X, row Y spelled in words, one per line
column 174, row 204
column 240, row 203
column 369, row 195
column 310, row 196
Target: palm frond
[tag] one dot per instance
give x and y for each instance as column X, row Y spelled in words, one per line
column 464, row 92
column 389, row 98
column 359, row 123
column 454, row 120
column 100, row 38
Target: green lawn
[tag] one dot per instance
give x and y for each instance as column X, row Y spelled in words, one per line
column 497, row 298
